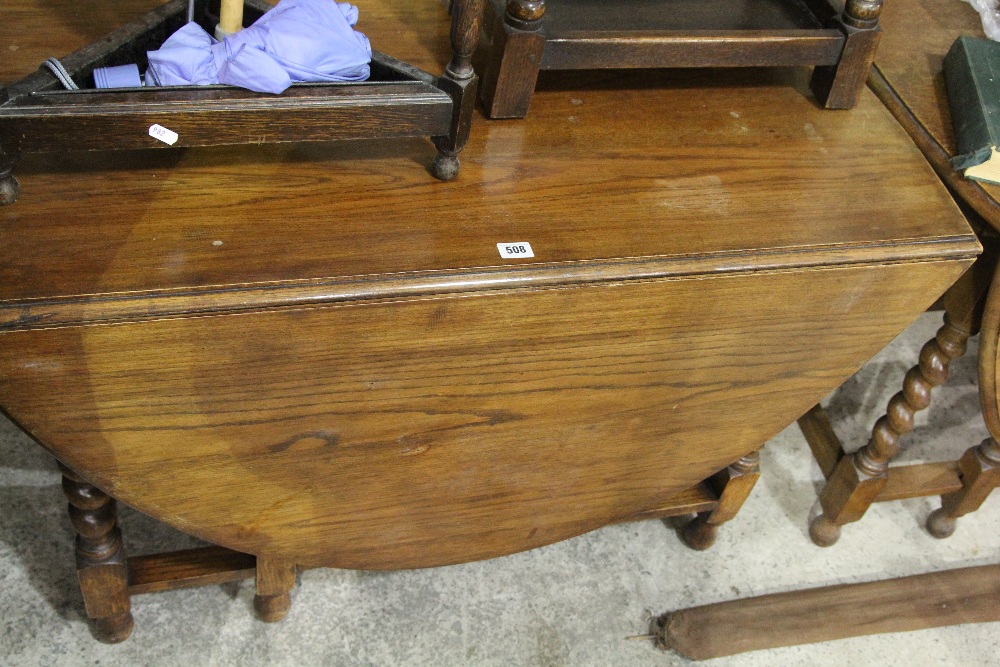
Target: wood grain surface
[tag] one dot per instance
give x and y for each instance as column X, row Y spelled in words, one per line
column 740, row 167
column 187, row 569
column 916, row 36
column 315, row 353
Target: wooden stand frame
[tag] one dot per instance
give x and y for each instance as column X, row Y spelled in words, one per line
column 108, row 579
column 38, row 115
column 522, row 37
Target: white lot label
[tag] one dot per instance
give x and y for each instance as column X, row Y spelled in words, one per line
column 169, row 137
column 515, row 250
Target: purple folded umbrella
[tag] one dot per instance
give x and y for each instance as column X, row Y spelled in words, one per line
column 297, row 40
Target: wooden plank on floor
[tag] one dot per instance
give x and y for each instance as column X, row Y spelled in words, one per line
column 937, row 599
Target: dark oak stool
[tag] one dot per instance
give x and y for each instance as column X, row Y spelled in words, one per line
column 522, row 37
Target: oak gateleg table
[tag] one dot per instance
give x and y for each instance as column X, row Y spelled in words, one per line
column 315, row 355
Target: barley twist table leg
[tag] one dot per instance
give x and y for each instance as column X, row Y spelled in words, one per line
column 859, row 478
column 100, row 559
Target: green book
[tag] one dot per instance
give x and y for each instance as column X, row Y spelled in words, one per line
column 972, row 75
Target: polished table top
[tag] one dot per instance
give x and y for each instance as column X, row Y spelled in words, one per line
column 719, row 163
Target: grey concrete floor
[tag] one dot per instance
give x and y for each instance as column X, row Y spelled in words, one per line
column 573, row 603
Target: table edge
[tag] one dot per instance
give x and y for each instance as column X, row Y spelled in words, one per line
column 121, row 307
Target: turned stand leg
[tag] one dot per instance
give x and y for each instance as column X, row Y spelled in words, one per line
column 9, row 188
column 459, row 81
column 275, row 581
column 513, row 59
column 733, row 486
column 839, row 86
column 858, row 479
column 100, row 559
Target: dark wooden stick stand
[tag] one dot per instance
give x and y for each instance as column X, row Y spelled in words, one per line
column 38, row 115
column 522, row 37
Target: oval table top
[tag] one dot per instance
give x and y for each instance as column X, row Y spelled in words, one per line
column 315, row 351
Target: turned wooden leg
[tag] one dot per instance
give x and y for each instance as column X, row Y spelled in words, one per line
column 275, row 581
column 9, row 188
column 100, row 559
column 513, row 59
column 859, row 478
column 979, row 469
column 733, row 486
column 460, row 82
column 839, row 86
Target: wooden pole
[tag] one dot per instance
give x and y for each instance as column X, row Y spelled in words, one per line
column 949, row 597
column 230, row 18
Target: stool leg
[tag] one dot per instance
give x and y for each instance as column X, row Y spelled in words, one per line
column 460, row 82
column 100, row 559
column 839, row 86
column 858, row 479
column 275, row 581
column 979, row 469
column 733, row 485
column 513, row 60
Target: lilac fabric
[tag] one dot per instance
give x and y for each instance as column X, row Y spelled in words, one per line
column 297, row 40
